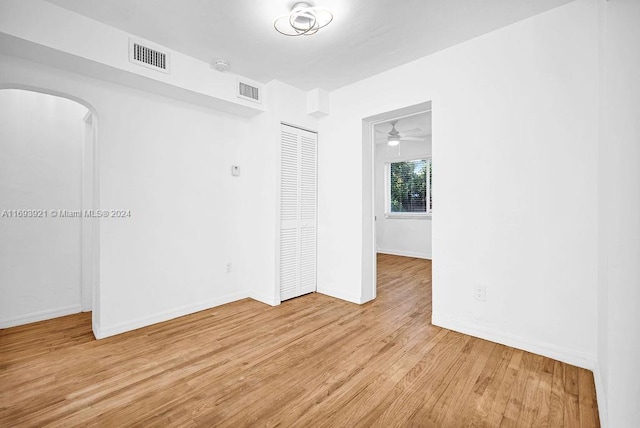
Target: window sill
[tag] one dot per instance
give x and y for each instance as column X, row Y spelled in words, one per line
column 408, row 216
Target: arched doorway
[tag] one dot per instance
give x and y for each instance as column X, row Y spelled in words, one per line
column 48, row 244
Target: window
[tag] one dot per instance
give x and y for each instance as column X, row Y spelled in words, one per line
column 409, row 188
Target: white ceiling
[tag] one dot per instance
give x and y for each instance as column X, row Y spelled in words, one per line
column 366, row 37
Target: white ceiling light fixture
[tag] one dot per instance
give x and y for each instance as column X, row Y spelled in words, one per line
column 393, row 141
column 221, row 64
column 303, row 20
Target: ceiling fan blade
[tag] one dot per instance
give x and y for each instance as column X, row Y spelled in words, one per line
column 381, row 132
column 411, row 139
column 410, row 131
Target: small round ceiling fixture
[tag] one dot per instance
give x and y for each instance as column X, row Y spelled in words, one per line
column 303, row 20
column 221, row 64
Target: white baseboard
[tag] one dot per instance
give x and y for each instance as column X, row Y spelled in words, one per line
column 95, row 327
column 601, row 396
column 406, row 254
column 263, row 298
column 340, row 294
column 40, row 316
column 565, row 355
column 103, row 332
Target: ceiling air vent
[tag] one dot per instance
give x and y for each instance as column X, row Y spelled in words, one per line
column 148, row 57
column 251, row 92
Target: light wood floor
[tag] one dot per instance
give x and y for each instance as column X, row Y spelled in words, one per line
column 312, row 362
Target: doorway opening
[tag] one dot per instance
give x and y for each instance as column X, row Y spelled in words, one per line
column 396, row 144
column 48, row 188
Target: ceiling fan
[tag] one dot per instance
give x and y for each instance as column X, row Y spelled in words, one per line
column 394, row 137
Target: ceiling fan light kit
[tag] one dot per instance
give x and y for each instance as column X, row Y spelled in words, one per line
column 303, row 20
column 394, row 137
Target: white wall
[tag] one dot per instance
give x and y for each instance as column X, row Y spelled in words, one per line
column 409, row 237
column 515, row 138
column 619, row 216
column 169, row 163
column 41, row 138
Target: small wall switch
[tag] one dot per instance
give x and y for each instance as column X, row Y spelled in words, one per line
column 228, row 267
column 235, row 170
column 480, row 294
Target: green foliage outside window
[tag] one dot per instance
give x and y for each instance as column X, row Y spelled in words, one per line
column 409, row 186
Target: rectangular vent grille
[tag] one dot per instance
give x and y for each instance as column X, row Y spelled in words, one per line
column 251, row 93
column 148, row 57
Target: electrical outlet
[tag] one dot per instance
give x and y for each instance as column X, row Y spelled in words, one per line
column 481, row 294
column 228, row 267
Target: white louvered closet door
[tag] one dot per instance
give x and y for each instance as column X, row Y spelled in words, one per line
column 298, row 184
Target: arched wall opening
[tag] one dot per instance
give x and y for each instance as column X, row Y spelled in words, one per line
column 48, row 190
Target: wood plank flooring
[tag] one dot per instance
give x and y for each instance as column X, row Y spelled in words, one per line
column 313, row 361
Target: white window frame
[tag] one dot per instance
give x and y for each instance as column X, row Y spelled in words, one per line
column 387, row 191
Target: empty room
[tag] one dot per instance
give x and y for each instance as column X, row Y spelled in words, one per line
column 320, row 214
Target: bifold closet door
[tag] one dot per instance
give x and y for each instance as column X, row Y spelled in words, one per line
column 298, row 212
